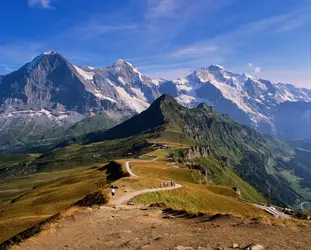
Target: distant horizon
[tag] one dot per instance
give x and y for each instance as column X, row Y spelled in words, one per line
column 150, row 75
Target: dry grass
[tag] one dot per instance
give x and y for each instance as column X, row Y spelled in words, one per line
column 53, row 193
column 197, row 198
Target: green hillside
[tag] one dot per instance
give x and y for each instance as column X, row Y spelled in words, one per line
column 257, row 158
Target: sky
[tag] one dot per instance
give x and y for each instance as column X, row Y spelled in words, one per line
column 163, row 38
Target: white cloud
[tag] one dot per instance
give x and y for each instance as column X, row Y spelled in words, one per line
column 295, row 22
column 196, row 51
column 250, row 65
column 162, row 8
column 257, row 69
column 46, row 4
column 93, row 29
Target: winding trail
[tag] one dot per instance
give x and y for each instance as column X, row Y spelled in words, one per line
column 128, row 169
column 124, row 199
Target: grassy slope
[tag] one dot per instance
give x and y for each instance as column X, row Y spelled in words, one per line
column 62, row 177
column 192, row 197
column 90, row 124
column 54, row 192
column 74, row 156
column 7, row 160
column 244, row 150
column 225, row 176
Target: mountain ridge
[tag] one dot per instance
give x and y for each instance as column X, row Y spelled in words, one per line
column 259, row 159
column 50, row 88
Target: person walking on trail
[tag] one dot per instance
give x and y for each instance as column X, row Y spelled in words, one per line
column 113, row 192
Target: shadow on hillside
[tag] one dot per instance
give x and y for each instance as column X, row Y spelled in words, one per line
column 114, row 171
column 200, row 217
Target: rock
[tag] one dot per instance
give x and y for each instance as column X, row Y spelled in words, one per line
column 167, row 216
column 204, row 248
column 254, row 247
column 235, row 245
column 183, row 248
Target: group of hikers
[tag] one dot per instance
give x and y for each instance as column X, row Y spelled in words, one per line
column 167, row 184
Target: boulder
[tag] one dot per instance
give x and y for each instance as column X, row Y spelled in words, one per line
column 254, row 247
column 235, row 245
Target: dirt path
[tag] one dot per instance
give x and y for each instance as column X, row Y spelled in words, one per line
column 128, row 169
column 124, row 199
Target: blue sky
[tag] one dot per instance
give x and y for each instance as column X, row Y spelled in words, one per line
column 163, row 38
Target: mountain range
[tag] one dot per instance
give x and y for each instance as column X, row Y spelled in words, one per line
column 42, row 102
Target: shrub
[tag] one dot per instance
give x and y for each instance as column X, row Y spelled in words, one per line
column 114, row 170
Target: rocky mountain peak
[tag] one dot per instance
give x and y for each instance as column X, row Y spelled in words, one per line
column 46, row 60
column 205, row 107
column 164, row 99
column 121, row 65
column 215, row 67
column 50, row 53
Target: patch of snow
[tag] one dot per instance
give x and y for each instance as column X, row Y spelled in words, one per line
column 140, row 75
column 157, row 82
column 46, row 112
column 258, row 100
column 138, row 93
column 229, row 92
column 62, row 117
column 85, row 74
column 185, row 100
column 101, row 96
column 183, row 84
column 49, row 53
column 91, row 68
column 219, row 66
column 120, row 79
column 131, row 101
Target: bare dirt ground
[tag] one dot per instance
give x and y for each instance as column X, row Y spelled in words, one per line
column 129, row 227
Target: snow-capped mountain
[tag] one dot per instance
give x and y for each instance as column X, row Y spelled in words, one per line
column 50, row 93
column 245, row 98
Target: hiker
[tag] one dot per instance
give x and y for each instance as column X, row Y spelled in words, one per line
column 113, row 191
